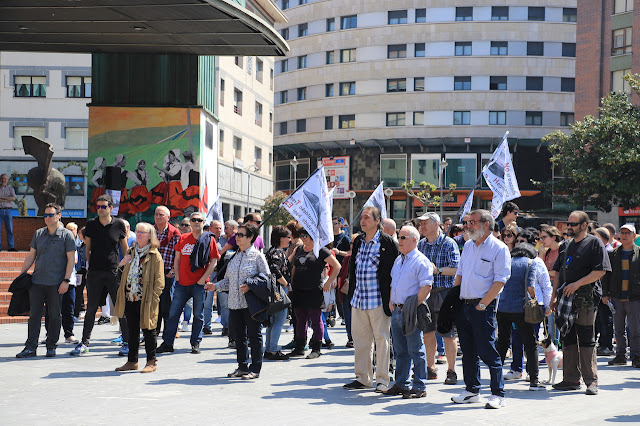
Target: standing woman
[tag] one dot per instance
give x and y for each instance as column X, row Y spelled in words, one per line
column 279, row 266
column 508, row 235
column 306, row 282
column 139, row 295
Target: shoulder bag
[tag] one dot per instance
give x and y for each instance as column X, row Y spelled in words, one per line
column 532, row 310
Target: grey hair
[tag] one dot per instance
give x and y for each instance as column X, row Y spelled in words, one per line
column 232, row 223
column 196, row 213
column 164, row 209
column 412, row 231
column 485, row 216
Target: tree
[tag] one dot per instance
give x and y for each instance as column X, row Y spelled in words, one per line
column 600, row 159
column 282, row 216
column 423, row 193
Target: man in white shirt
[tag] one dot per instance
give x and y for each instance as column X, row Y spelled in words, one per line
column 485, row 266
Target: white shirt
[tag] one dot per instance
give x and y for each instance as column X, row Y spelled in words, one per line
column 409, row 274
column 482, row 265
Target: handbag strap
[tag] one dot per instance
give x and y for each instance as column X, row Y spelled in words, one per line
column 526, row 279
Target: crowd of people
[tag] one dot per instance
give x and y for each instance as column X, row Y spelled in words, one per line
column 407, row 296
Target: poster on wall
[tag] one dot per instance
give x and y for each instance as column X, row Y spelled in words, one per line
column 337, row 172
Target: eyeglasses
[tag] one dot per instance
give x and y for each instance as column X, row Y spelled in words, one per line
column 101, row 207
column 507, row 236
column 257, row 222
column 573, row 224
column 404, row 237
column 473, row 222
column 196, row 220
column 516, row 213
column 304, row 236
column 49, row 214
column 185, row 224
column 626, row 234
column 464, row 222
column 240, row 234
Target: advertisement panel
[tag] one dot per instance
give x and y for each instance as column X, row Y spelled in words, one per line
column 337, row 171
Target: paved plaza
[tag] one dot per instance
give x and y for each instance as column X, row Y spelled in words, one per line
column 190, row 388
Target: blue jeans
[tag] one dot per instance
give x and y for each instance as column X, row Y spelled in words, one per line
column 272, row 334
column 440, row 344
column 188, row 310
column 7, row 218
column 346, row 314
column 477, row 335
column 408, row 349
column 325, row 315
column 165, row 302
column 208, row 309
column 180, row 297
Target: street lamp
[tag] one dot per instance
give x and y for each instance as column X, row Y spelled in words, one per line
column 294, row 164
column 255, row 169
column 388, row 192
column 443, row 166
column 352, row 195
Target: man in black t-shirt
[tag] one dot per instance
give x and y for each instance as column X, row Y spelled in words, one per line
column 103, row 236
column 586, row 261
column 341, row 241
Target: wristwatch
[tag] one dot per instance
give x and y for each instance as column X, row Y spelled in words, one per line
column 67, row 280
column 439, row 271
column 482, row 306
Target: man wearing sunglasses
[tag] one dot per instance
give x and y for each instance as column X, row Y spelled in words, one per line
column 53, row 251
column 464, row 237
column 510, row 212
column 581, row 263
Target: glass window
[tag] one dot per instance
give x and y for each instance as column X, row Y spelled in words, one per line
column 418, row 84
column 566, row 118
column 301, row 125
column 536, row 13
column 348, row 22
column 461, row 117
column 425, row 168
column 302, row 93
column 419, row 52
column 331, row 57
column 347, row 121
column 303, row 30
column 393, row 169
column 535, row 48
column 237, row 101
column 397, row 17
column 285, row 33
column 418, row 118
column 270, row 122
column 257, row 157
column 395, row 119
column 259, row 69
column 238, row 61
column 237, row 147
column 284, row 65
column 18, row 132
column 76, row 138
column 395, row 51
column 222, row 92
column 534, row 83
column 74, row 185
column 618, row 84
column 285, row 4
column 569, row 14
column 283, row 128
column 285, row 174
column 284, row 97
column 462, row 83
column 497, row 117
column 78, row 87
column 499, row 48
column 421, row 15
column 463, row 48
column 347, row 55
column 302, row 61
column 347, row 88
column 621, row 6
column 30, row 87
column 461, row 170
column 221, row 144
column 534, row 118
column 569, row 50
column 498, row 83
column 328, row 90
column 396, row 85
column 568, row 84
column 328, row 123
column 331, row 24
column 622, row 39
column 464, row 13
column 258, row 114
column 500, row 13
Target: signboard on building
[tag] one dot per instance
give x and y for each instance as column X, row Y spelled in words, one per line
column 337, row 172
column 635, row 211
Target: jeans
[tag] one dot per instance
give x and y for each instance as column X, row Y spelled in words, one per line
column 246, row 327
column 132, row 311
column 604, row 326
column 39, row 295
column 408, row 349
column 477, row 335
column 440, row 344
column 629, row 311
column 66, row 308
column 208, row 309
column 188, row 310
column 7, row 218
column 346, row 314
column 517, row 349
column 165, row 302
column 97, row 282
column 325, row 315
column 223, row 308
column 303, row 316
column 526, row 332
column 274, row 330
column 180, row 297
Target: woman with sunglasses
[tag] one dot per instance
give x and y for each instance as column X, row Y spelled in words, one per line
column 508, row 235
column 308, row 291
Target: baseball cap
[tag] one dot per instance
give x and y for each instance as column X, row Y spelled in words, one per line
column 629, row 226
column 430, row 215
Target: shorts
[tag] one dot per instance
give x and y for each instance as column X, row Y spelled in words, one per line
column 435, row 300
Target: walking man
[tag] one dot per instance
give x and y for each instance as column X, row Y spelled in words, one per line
column 168, row 235
column 53, row 250
column 485, row 267
column 7, row 197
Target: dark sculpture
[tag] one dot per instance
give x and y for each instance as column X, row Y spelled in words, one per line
column 47, row 183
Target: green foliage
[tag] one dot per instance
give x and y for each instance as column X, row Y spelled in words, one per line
column 600, row 159
column 82, row 166
column 20, row 181
column 423, row 193
column 282, row 216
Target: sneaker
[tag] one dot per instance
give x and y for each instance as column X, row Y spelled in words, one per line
column 396, row 390
column 380, row 388
column 51, row 352
column 289, row 329
column 117, row 341
column 250, row 376
column 452, row 378
column 329, row 345
column 232, row 344
column 195, row 348
column 82, row 314
column 124, row 350
column 268, row 355
column 207, row 331
column 72, row 340
column 432, row 373
column 279, row 356
column 565, row 386
column 79, row 350
column 185, row 326
column 26, row 353
column 238, row 373
column 537, row 386
column 466, row 397
column 441, row 359
column 164, row 348
column 225, row 332
column 513, row 375
column 414, row 393
column 495, row 401
column 605, row 352
column 618, row 360
column 103, row 320
column 592, row 389
column 543, row 361
column 355, row 385
column 349, row 344
column 290, row 345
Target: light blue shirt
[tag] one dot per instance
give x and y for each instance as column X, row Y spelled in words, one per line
column 409, row 274
column 482, row 265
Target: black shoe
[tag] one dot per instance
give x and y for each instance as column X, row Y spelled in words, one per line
column 618, row 360
column 605, row 352
column 12, row 249
column 328, row 345
column 51, row 352
column 207, row 331
column 565, row 386
column 103, row 320
column 354, row 385
column 414, row 393
column 396, row 390
column 164, row 348
column 432, row 373
column 452, row 378
column 195, row 348
column 279, row 356
column 232, row 344
column 349, row 344
column 268, row 355
column 26, row 353
column 238, row 373
column 297, row 352
column 225, row 332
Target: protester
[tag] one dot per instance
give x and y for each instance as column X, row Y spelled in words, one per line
column 168, row 235
column 510, row 211
column 508, row 235
column 464, row 237
column 343, row 287
column 613, row 235
column 81, row 270
column 389, row 228
column 216, row 230
column 604, row 316
column 7, row 197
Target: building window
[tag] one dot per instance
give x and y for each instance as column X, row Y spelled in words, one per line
column 303, row 30
column 347, row 55
column 19, row 132
column 347, row 121
column 221, row 92
column 259, row 70
column 426, row 168
column 328, row 123
column 30, row 87
column 285, row 4
column 302, row 93
column 396, row 85
column 302, row 61
column 238, row 61
column 568, row 84
column 421, row 15
column 284, row 96
column 498, row 83
column 464, row 13
column 301, row 125
column 621, row 6
column 331, row 57
column 270, row 163
column 499, row 48
column 461, row 118
column 283, row 128
column 418, row 84
column 569, row 50
column 419, row 52
column 461, row 170
column 78, row 87
column 270, row 78
column 347, row 88
column 397, row 17
column 237, row 147
column 348, row 22
column 618, row 84
column 463, row 48
column 395, row 51
column 566, row 118
column 285, row 33
column 221, row 144
column 396, row 119
column 535, row 48
column 237, row 101
column 258, row 114
column 74, row 185
column 622, row 39
column 393, row 169
column 284, row 175
column 284, row 65
column 536, row 13
column 534, row 83
column 462, row 83
column 533, row 118
column 418, row 118
column 500, row 13
column 569, row 14
column 76, row 138
column 497, row 117
column 328, row 90
column 257, row 157
column 331, row 24
column 270, row 122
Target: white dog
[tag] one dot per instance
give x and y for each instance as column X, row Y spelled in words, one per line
column 553, row 358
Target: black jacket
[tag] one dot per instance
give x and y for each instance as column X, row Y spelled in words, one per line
column 388, row 254
column 258, row 297
column 612, row 282
column 19, row 304
column 200, row 255
column 449, row 310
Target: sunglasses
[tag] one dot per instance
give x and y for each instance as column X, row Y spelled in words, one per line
column 507, row 236
column 49, row 214
column 240, row 234
column 185, row 224
column 465, row 222
column 102, row 207
column 304, row 236
column 404, row 237
column 573, row 224
column 196, row 220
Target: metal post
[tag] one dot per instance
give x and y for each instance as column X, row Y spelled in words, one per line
column 294, row 164
column 352, row 195
column 443, row 166
column 248, row 189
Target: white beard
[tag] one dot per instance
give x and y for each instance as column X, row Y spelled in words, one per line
column 475, row 236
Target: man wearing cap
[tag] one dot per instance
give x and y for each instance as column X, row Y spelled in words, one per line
column 443, row 253
column 622, row 287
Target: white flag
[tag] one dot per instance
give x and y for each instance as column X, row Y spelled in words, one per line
column 331, row 201
column 501, row 177
column 310, row 205
column 215, row 212
column 377, row 200
column 467, row 206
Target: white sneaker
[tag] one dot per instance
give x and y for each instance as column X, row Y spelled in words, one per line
column 513, row 375
column 495, row 401
column 381, row 388
column 219, row 319
column 185, row 326
column 466, row 397
column 289, row 329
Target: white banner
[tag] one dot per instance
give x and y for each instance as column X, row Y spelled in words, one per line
column 467, row 205
column 215, row 212
column 310, row 205
column 377, row 200
column 501, row 177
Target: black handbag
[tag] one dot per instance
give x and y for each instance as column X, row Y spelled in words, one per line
column 279, row 299
column 532, row 310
